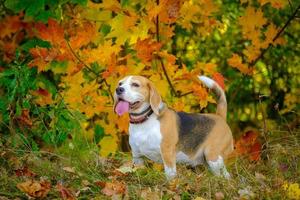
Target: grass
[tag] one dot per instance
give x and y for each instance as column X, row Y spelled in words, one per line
column 264, row 179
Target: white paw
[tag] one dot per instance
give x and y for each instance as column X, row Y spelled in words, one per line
column 138, row 161
column 170, row 172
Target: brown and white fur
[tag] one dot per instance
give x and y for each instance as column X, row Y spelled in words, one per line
column 174, row 137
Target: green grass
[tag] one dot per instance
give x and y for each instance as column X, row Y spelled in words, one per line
column 264, row 179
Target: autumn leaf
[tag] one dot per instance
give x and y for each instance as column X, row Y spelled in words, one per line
column 219, row 78
column 249, row 145
column 25, row 119
column 54, row 33
column 278, row 4
column 24, row 171
column 252, row 22
column 112, row 188
column 146, row 49
column 236, row 62
column 65, row 193
column 35, row 189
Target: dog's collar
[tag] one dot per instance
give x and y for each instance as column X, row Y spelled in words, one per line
column 138, row 118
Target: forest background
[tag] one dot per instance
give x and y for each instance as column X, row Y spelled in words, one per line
column 60, row 61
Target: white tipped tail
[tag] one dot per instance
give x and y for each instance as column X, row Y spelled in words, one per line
column 222, row 103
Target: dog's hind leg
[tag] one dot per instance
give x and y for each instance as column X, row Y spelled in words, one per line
column 216, row 165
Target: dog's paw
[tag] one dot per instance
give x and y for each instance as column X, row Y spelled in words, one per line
column 138, row 162
column 170, row 172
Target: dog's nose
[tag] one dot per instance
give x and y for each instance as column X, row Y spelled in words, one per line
column 120, row 90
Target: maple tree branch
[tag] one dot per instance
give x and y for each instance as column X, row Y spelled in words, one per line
column 275, row 37
column 173, row 91
column 185, row 94
column 109, row 90
column 91, row 70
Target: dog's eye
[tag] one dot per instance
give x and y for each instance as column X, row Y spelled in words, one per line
column 135, row 85
column 120, row 83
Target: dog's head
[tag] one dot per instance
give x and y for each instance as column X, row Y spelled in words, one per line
column 134, row 93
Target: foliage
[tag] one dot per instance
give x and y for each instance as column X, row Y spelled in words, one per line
column 61, row 60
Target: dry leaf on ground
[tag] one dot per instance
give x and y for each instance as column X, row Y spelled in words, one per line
column 65, row 193
column 33, row 188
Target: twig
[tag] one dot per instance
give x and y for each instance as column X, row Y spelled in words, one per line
column 91, row 70
column 160, row 59
column 109, row 90
column 275, row 37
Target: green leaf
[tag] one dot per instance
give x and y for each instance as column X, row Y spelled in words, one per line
column 35, row 7
column 18, row 109
column 98, row 133
column 36, row 42
column 105, row 29
column 80, row 2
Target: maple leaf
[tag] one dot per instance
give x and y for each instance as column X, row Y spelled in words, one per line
column 251, row 22
column 236, row 62
column 146, row 49
column 54, row 33
column 278, row 4
column 219, row 78
column 36, row 189
column 249, row 145
column 11, row 25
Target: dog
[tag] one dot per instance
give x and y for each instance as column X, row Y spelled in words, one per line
column 169, row 137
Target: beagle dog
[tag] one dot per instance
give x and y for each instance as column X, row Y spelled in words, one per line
column 164, row 135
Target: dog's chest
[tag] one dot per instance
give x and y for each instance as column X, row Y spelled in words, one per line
column 145, row 139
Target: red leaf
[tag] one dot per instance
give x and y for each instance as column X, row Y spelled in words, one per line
column 24, row 172
column 219, row 78
column 65, row 193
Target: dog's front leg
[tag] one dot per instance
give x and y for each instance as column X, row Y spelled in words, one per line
column 137, row 158
column 168, row 154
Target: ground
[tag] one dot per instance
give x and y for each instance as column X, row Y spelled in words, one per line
column 76, row 171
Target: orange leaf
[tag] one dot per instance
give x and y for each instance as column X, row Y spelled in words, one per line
column 113, row 188
column 249, row 145
column 24, row 119
column 236, row 62
column 219, row 78
column 38, row 189
column 146, row 49
column 54, row 33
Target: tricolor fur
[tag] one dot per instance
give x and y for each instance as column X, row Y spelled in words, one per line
column 164, row 135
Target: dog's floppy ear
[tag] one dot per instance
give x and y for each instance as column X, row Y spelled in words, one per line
column 154, row 98
column 116, row 100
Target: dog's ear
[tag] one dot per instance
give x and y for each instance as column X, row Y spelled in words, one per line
column 116, row 100
column 154, row 98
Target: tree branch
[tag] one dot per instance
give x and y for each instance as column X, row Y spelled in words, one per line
column 173, row 91
column 275, row 37
column 100, row 81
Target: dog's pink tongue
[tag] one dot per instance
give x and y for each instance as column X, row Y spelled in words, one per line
column 122, row 107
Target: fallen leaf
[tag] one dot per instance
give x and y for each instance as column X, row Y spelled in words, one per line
column 219, row 195
column 148, row 194
column 24, row 119
column 24, row 171
column 113, row 188
column 65, row 193
column 69, row 169
column 38, row 189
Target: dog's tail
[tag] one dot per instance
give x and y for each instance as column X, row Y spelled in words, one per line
column 222, row 103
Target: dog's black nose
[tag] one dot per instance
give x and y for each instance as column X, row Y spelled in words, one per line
column 120, row 90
